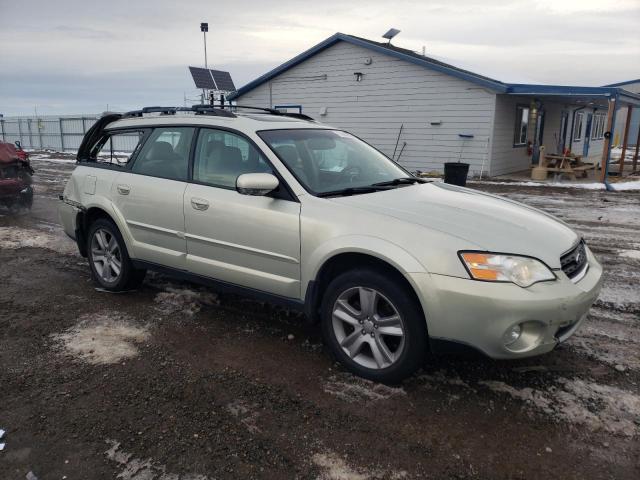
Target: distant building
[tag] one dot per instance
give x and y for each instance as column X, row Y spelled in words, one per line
column 389, row 95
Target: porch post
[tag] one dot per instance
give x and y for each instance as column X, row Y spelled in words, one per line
column 625, row 137
column 635, row 155
column 606, row 150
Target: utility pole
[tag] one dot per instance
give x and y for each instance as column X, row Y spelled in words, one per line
column 204, row 28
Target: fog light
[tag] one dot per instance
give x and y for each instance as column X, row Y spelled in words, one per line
column 512, row 335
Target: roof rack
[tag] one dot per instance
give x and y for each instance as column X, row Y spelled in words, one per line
column 274, row 111
column 227, row 111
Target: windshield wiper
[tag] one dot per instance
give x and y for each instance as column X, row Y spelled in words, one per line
column 399, row 181
column 352, row 191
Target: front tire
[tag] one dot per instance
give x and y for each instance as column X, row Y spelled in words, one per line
column 374, row 326
column 109, row 260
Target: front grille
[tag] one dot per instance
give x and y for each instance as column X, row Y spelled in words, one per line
column 574, row 261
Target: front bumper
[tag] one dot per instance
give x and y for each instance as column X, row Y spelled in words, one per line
column 478, row 314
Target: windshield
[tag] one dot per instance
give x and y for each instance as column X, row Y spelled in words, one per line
column 327, row 161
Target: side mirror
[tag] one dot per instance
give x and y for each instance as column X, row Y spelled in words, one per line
column 18, row 144
column 257, row 184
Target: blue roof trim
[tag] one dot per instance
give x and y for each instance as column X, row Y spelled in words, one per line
column 527, row 89
column 424, row 62
column 620, row 84
column 610, row 92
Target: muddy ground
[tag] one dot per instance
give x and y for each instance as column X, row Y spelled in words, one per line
column 177, row 382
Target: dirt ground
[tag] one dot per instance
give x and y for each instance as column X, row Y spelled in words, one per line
column 174, row 381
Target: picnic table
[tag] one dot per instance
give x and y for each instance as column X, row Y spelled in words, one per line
column 567, row 164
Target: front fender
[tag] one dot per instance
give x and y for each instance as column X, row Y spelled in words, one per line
column 376, row 247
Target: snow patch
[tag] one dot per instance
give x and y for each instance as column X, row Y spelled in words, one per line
column 13, row 238
column 618, row 186
column 352, row 389
column 143, row 469
column 183, row 300
column 635, row 254
column 335, row 467
column 104, row 338
column 247, row 414
column 598, row 407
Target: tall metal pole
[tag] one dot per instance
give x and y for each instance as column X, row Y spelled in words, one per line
column 204, row 28
column 205, row 50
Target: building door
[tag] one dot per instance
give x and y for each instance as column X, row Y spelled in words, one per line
column 587, row 136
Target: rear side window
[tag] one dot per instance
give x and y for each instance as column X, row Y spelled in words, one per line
column 117, row 148
column 165, row 154
column 223, row 156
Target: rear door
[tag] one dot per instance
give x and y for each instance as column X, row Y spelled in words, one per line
column 150, row 197
column 251, row 241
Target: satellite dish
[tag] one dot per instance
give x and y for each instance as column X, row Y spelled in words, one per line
column 391, row 33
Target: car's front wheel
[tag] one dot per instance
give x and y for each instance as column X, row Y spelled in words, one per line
column 109, row 260
column 374, row 326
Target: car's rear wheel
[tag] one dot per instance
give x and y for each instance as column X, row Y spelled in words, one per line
column 109, row 260
column 374, row 326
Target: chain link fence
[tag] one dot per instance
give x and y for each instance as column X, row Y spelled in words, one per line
column 61, row 134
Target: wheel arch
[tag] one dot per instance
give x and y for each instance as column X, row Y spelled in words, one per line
column 344, row 261
column 86, row 217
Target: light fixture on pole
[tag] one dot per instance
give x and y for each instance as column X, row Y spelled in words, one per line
column 204, row 28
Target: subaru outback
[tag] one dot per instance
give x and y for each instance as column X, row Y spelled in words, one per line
column 281, row 207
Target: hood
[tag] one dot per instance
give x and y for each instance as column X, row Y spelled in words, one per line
column 8, row 154
column 495, row 223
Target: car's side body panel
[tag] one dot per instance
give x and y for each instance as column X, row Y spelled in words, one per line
column 246, row 240
column 152, row 210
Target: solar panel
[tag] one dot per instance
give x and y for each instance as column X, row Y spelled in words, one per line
column 212, row 79
column 223, row 80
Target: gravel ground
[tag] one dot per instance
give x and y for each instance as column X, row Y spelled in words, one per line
column 174, row 381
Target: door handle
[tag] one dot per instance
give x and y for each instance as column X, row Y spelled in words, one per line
column 123, row 189
column 199, row 204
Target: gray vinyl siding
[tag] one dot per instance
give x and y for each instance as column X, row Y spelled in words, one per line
column 393, row 92
column 505, row 158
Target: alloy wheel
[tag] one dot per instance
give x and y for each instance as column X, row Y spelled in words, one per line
column 368, row 327
column 106, row 255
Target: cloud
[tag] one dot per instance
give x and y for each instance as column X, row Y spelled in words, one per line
column 78, row 55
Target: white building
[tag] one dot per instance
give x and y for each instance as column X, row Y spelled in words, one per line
column 432, row 112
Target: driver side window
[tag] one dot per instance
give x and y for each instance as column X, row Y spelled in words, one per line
column 221, row 157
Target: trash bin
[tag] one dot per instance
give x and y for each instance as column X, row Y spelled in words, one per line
column 455, row 173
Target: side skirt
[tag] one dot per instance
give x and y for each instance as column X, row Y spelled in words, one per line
column 222, row 286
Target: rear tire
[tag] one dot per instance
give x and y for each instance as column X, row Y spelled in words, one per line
column 111, row 267
column 374, row 326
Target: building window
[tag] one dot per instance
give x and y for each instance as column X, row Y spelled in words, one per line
column 522, row 125
column 577, row 126
column 599, row 120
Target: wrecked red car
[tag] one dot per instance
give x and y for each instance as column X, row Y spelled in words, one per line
column 15, row 177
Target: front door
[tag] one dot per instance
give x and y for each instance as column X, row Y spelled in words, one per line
column 150, row 197
column 251, row 241
column 587, row 136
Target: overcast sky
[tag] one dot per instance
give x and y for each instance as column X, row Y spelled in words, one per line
column 78, row 56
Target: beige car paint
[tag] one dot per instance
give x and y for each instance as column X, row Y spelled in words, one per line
column 278, row 246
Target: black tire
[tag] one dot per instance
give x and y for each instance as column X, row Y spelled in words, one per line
column 412, row 355
column 129, row 277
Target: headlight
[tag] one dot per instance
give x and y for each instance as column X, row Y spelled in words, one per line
column 498, row 267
